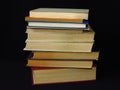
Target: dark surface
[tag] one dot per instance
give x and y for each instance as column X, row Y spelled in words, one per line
column 103, row 18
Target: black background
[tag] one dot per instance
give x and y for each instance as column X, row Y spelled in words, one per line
column 104, row 19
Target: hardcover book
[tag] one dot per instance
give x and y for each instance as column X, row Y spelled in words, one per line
column 57, row 25
column 94, row 55
column 62, row 75
column 59, row 13
column 28, row 18
column 59, row 46
column 60, row 63
column 59, row 35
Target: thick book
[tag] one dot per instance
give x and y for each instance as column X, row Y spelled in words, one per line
column 94, row 55
column 60, row 36
column 59, row 46
column 67, row 13
column 28, row 18
column 59, row 75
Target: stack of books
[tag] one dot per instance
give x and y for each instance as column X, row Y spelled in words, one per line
column 61, row 44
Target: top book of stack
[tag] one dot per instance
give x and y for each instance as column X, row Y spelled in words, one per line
column 59, row 13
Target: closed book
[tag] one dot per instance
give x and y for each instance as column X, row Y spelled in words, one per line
column 85, row 27
column 39, row 30
column 59, row 46
column 57, row 25
column 94, row 55
column 60, row 36
column 62, row 75
column 66, row 13
column 59, row 63
column 28, row 18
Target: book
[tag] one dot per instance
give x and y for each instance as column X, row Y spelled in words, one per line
column 59, row 46
column 57, row 25
column 66, row 13
column 62, row 28
column 58, row 75
column 60, row 36
column 28, row 18
column 59, row 63
column 39, row 30
column 57, row 28
column 94, row 55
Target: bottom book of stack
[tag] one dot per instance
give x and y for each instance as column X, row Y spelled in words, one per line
column 62, row 75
